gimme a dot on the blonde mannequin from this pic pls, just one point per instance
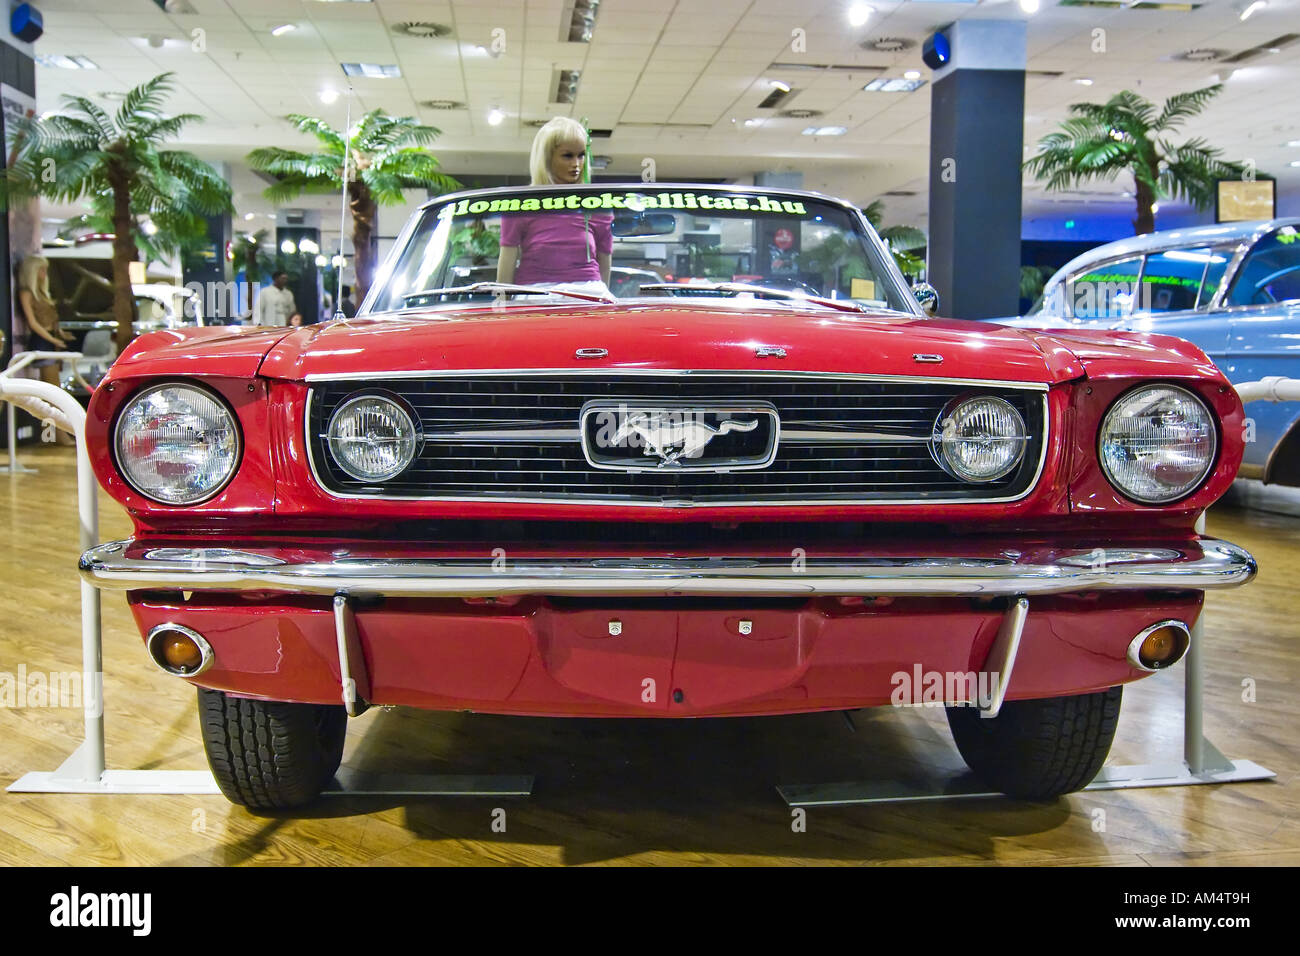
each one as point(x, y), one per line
point(43, 333)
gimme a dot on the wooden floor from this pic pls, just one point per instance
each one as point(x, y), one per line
point(649, 792)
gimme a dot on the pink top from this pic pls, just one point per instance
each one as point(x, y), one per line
point(551, 246)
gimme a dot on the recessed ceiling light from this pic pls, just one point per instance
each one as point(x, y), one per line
point(825, 131)
point(783, 87)
point(60, 62)
point(283, 28)
point(888, 44)
point(374, 71)
point(1294, 162)
point(249, 215)
point(885, 84)
point(328, 96)
point(753, 122)
point(859, 14)
point(495, 117)
point(1293, 142)
point(1029, 6)
point(912, 75)
point(1084, 80)
point(449, 105)
point(1253, 7)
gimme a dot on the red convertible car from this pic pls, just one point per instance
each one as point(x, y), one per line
point(767, 484)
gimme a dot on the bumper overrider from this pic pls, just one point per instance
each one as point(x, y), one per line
point(619, 634)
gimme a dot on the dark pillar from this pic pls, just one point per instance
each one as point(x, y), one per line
point(205, 267)
point(20, 229)
point(977, 116)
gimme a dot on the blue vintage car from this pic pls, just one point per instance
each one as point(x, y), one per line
point(1233, 289)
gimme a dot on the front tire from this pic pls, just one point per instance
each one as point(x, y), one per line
point(270, 755)
point(1039, 749)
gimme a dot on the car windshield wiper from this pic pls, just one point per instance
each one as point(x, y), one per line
point(507, 287)
point(844, 305)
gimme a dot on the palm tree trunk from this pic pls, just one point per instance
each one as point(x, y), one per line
point(1146, 219)
point(124, 254)
point(363, 229)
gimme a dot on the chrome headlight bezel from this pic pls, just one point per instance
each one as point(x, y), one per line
point(1188, 488)
point(941, 442)
point(119, 456)
point(401, 406)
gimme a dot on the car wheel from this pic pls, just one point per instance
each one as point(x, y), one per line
point(270, 755)
point(1038, 749)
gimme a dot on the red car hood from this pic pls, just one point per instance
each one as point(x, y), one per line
point(644, 336)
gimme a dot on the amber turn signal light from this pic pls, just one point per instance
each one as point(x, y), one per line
point(179, 650)
point(1159, 646)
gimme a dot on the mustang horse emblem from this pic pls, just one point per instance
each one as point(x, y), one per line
point(674, 435)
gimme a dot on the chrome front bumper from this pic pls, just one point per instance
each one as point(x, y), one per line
point(1192, 565)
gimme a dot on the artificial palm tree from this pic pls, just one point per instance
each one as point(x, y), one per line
point(1130, 134)
point(116, 163)
point(158, 238)
point(384, 155)
point(903, 241)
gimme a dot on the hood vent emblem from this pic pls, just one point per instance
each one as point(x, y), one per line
point(591, 353)
point(770, 351)
point(929, 359)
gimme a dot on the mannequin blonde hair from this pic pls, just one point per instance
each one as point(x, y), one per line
point(29, 277)
point(559, 130)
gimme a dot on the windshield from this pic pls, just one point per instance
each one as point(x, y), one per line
point(623, 238)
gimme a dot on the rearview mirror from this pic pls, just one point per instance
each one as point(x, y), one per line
point(645, 224)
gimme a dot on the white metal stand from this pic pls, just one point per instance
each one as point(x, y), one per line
point(1202, 762)
point(84, 770)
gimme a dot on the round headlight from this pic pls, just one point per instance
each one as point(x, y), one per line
point(979, 439)
point(372, 438)
point(1157, 443)
point(177, 444)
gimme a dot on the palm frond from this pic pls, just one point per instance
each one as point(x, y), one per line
point(144, 101)
point(1182, 106)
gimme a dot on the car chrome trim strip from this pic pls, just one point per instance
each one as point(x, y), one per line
point(373, 375)
point(1194, 565)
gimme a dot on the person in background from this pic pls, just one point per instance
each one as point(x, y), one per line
point(43, 333)
point(295, 319)
point(572, 249)
point(275, 303)
point(346, 305)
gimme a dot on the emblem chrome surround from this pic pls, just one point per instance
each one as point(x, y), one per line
point(620, 435)
point(770, 351)
point(927, 358)
point(594, 353)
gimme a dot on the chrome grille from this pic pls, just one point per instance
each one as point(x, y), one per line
point(497, 437)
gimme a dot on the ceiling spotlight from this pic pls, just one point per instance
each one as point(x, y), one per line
point(328, 96)
point(1252, 8)
point(859, 14)
point(283, 28)
point(911, 74)
point(783, 87)
point(753, 122)
point(1084, 81)
point(495, 117)
point(249, 215)
point(1029, 6)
